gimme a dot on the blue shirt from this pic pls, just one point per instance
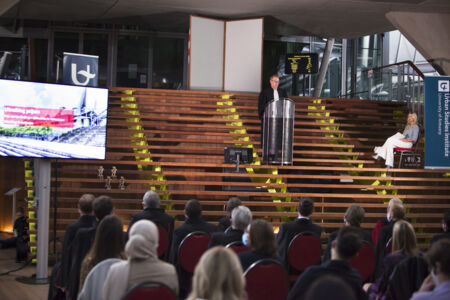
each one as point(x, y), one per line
point(441, 292)
point(411, 133)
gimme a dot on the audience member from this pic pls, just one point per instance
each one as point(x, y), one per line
point(157, 215)
point(81, 244)
point(302, 224)
point(93, 285)
point(385, 221)
point(404, 245)
point(108, 243)
point(241, 216)
point(353, 217)
point(437, 285)
point(405, 140)
point(225, 222)
point(396, 213)
point(445, 228)
point(218, 276)
point(330, 287)
point(194, 222)
point(261, 240)
point(142, 265)
point(20, 238)
point(343, 249)
point(86, 220)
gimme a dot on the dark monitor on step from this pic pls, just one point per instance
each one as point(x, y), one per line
point(238, 155)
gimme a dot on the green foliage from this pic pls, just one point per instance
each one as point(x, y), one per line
point(26, 131)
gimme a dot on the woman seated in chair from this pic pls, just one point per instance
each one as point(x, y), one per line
point(404, 245)
point(142, 264)
point(260, 238)
point(218, 275)
point(404, 140)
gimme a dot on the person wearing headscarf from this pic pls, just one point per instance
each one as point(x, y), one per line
point(142, 264)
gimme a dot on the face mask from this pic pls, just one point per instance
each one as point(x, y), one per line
point(245, 239)
point(435, 277)
point(388, 217)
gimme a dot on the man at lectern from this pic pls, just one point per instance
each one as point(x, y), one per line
point(269, 94)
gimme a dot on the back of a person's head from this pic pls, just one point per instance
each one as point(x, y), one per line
point(20, 210)
point(143, 241)
point(151, 199)
point(193, 209)
point(305, 206)
point(439, 252)
point(394, 201)
point(446, 220)
point(241, 216)
point(232, 203)
point(398, 211)
point(102, 206)
point(262, 238)
point(330, 287)
point(218, 276)
point(404, 238)
point(354, 215)
point(348, 242)
point(85, 203)
point(109, 240)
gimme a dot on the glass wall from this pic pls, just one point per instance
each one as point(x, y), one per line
point(132, 61)
point(168, 59)
point(298, 84)
point(97, 44)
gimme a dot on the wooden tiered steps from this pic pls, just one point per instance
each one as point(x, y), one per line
point(172, 142)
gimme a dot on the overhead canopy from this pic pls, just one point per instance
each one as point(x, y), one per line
point(325, 18)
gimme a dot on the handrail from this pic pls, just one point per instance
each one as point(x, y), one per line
point(408, 62)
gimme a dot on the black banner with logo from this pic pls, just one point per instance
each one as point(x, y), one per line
point(80, 69)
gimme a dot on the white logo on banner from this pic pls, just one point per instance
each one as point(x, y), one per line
point(443, 85)
point(84, 73)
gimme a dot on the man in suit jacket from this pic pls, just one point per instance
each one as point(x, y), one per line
point(353, 217)
point(302, 224)
point(396, 212)
point(445, 228)
point(84, 238)
point(86, 220)
point(241, 216)
point(194, 222)
point(344, 248)
point(270, 94)
point(157, 215)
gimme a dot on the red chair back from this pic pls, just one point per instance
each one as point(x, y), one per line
point(304, 251)
point(237, 247)
point(266, 279)
point(364, 262)
point(163, 243)
point(150, 290)
point(191, 249)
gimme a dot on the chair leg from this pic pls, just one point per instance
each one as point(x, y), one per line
point(400, 161)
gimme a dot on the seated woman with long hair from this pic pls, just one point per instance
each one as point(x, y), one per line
point(404, 245)
point(262, 243)
point(108, 243)
point(218, 276)
point(403, 140)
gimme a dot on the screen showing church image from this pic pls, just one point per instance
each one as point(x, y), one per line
point(44, 120)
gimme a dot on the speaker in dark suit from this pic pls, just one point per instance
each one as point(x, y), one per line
point(270, 94)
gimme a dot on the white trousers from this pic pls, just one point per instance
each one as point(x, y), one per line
point(387, 150)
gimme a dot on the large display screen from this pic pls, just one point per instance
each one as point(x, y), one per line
point(52, 120)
